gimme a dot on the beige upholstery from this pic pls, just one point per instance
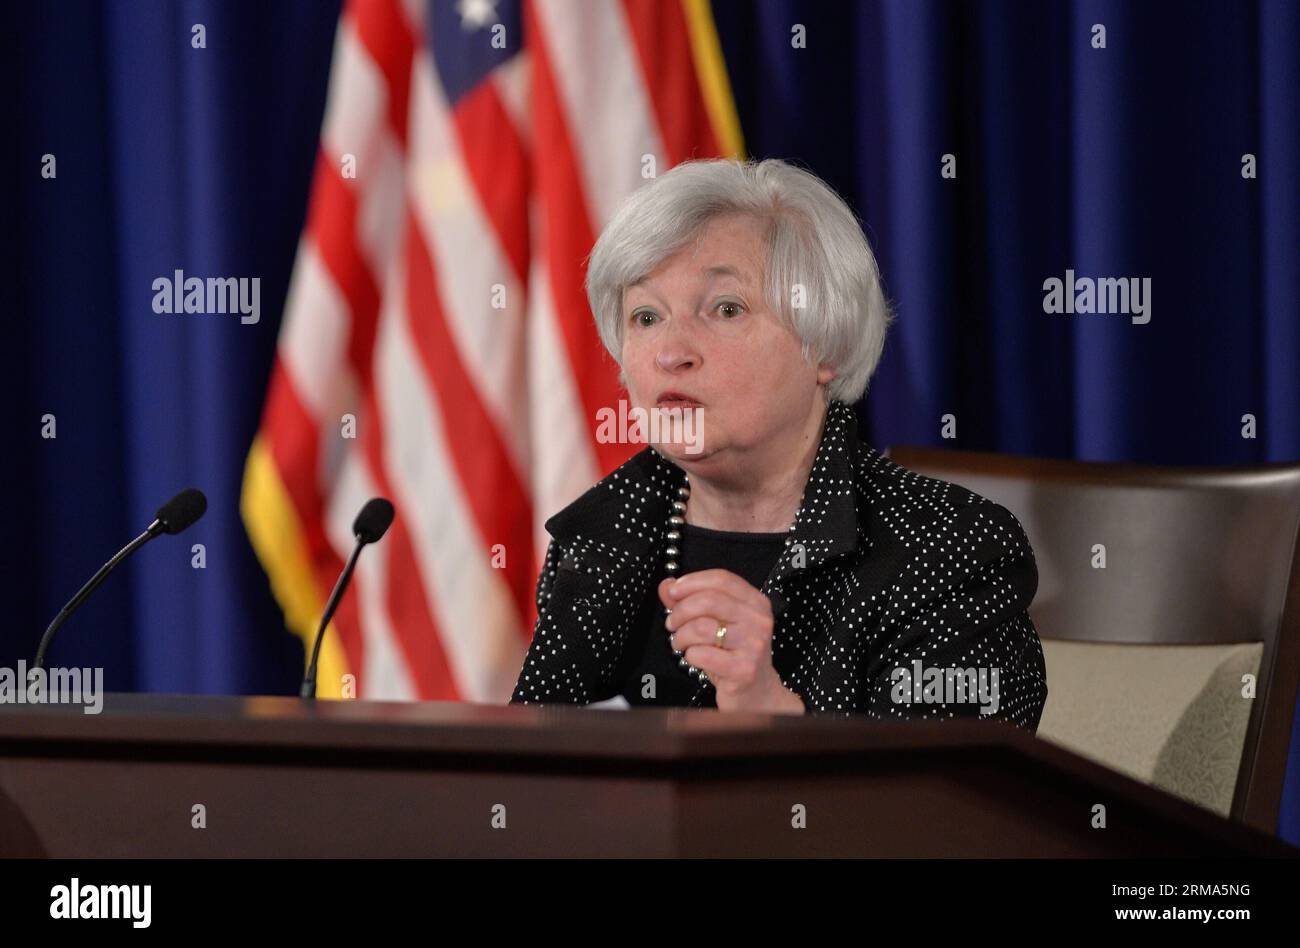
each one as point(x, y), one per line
point(1169, 715)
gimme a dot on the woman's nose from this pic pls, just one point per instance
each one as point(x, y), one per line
point(678, 350)
point(674, 358)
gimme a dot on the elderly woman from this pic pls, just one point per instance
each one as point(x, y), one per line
point(769, 560)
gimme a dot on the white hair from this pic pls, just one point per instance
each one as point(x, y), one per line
point(814, 240)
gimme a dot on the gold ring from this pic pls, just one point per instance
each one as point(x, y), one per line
point(721, 634)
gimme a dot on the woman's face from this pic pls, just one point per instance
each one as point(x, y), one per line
point(700, 327)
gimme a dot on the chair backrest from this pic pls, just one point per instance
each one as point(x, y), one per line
point(1160, 589)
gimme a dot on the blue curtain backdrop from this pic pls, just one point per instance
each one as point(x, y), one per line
point(168, 157)
point(1123, 161)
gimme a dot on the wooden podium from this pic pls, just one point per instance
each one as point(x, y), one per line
point(280, 777)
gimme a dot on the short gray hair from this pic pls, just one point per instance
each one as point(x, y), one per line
point(814, 240)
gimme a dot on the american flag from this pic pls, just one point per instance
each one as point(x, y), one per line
point(437, 347)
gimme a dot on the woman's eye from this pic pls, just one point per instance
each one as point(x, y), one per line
point(643, 317)
point(730, 310)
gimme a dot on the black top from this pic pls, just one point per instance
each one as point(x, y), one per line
point(749, 555)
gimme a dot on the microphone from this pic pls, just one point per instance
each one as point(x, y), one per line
point(174, 516)
point(179, 513)
point(370, 526)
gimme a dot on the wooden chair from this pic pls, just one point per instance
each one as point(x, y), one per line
point(1162, 590)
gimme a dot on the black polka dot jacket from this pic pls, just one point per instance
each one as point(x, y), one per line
point(899, 596)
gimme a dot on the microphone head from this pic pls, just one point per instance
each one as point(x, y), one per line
point(182, 511)
point(373, 521)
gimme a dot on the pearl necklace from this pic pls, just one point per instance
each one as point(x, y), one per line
point(677, 520)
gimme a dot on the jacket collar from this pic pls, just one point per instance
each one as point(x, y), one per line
point(826, 525)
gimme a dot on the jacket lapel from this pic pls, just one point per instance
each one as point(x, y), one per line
point(641, 489)
point(827, 523)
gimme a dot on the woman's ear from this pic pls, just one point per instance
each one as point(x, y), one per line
point(825, 373)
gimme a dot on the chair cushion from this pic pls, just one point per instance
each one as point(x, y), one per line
point(1169, 715)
